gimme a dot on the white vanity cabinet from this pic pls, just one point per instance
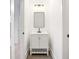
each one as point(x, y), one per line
point(39, 43)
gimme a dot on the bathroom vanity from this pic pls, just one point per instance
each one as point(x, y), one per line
point(39, 43)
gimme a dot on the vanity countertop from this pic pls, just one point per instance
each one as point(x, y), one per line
point(42, 32)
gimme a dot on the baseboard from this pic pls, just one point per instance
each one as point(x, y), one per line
point(26, 54)
point(52, 54)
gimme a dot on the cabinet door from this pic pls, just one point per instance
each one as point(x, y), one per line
point(34, 41)
point(43, 41)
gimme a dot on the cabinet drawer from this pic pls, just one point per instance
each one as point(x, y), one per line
point(44, 35)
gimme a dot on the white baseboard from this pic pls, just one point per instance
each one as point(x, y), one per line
point(52, 54)
point(26, 54)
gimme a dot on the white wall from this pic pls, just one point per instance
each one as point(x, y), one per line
point(53, 24)
point(55, 27)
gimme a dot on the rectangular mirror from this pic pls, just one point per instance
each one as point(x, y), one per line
point(39, 19)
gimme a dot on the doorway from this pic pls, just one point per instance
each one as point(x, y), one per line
point(56, 21)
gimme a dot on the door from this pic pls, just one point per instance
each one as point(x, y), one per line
point(21, 29)
point(34, 41)
point(17, 29)
point(65, 12)
point(43, 41)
